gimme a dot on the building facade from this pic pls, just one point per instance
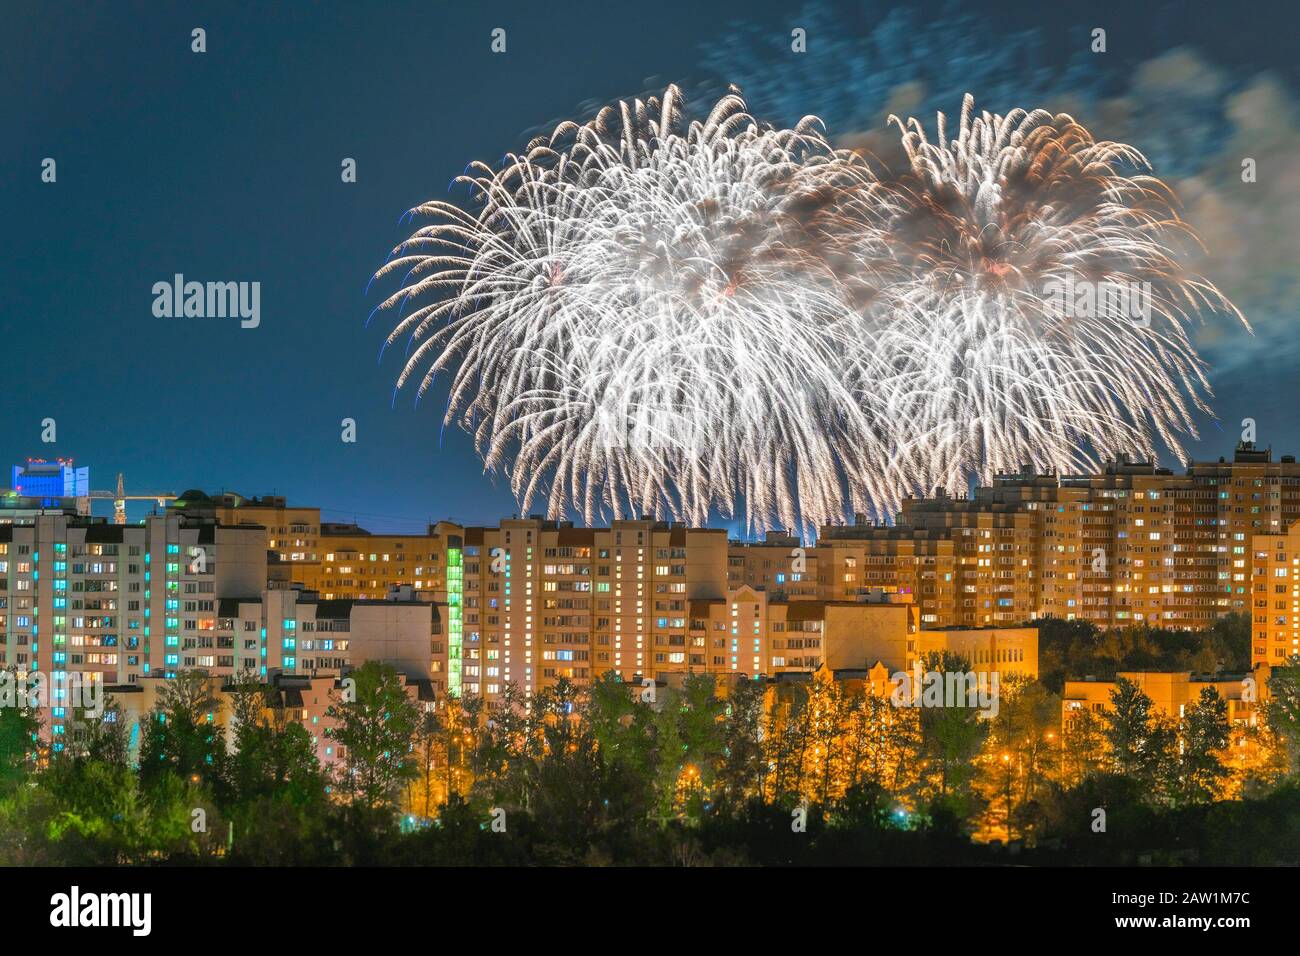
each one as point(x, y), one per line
point(1275, 596)
point(116, 603)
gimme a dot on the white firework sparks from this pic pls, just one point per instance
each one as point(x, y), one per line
point(1037, 313)
point(644, 315)
point(638, 322)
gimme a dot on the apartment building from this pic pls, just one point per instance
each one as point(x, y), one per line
point(964, 563)
point(533, 601)
point(115, 603)
point(293, 632)
point(300, 647)
point(1140, 544)
point(302, 699)
point(292, 534)
point(356, 564)
point(1275, 596)
point(748, 632)
point(849, 562)
point(1133, 544)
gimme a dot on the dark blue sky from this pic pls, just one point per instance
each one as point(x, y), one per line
point(225, 166)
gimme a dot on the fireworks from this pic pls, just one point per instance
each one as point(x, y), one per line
point(1038, 314)
point(643, 314)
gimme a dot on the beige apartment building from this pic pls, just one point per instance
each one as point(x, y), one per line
point(117, 604)
point(531, 601)
point(1139, 544)
point(541, 600)
point(1275, 596)
point(1134, 544)
point(292, 534)
point(356, 564)
point(1172, 692)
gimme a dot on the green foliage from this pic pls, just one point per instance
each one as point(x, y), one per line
point(1075, 649)
point(742, 769)
point(106, 737)
point(19, 736)
point(375, 732)
point(786, 773)
point(182, 737)
point(1283, 714)
point(1141, 742)
point(951, 737)
point(1204, 734)
point(273, 756)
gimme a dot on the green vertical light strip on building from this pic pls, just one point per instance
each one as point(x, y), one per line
point(455, 633)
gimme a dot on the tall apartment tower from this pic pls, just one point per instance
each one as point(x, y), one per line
point(542, 600)
point(1132, 544)
point(1140, 544)
point(115, 603)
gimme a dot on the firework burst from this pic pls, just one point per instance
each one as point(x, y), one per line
point(1037, 312)
point(643, 314)
point(638, 319)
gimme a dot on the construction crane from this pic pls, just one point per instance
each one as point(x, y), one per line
point(120, 498)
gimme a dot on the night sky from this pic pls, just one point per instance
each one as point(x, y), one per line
point(226, 166)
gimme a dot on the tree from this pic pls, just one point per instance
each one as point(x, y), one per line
point(279, 790)
point(621, 729)
point(951, 737)
point(19, 737)
point(181, 734)
point(375, 732)
point(1204, 733)
point(1229, 637)
point(93, 813)
point(1019, 757)
point(568, 789)
point(105, 738)
point(1083, 747)
point(786, 737)
point(825, 777)
point(1062, 646)
point(505, 752)
point(884, 746)
point(1140, 741)
point(1282, 714)
point(689, 741)
point(742, 769)
point(425, 790)
point(273, 755)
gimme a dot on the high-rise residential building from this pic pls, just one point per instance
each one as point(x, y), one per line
point(116, 603)
point(532, 601)
point(356, 564)
point(1133, 544)
point(1275, 596)
point(1140, 544)
point(852, 561)
point(292, 533)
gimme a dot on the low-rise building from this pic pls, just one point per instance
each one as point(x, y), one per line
point(1172, 692)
